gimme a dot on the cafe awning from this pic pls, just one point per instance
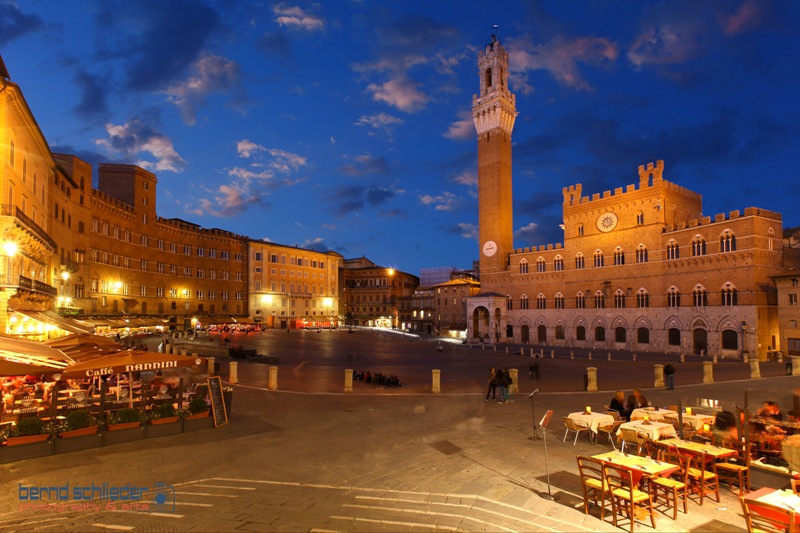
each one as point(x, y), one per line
point(30, 352)
point(49, 317)
point(131, 361)
point(12, 368)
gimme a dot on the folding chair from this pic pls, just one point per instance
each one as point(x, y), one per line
point(576, 426)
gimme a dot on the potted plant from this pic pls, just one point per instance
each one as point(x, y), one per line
point(77, 423)
point(27, 430)
point(163, 413)
point(198, 408)
point(124, 418)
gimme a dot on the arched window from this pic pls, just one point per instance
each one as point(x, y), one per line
point(673, 250)
point(641, 254)
point(698, 246)
point(579, 262)
point(559, 301)
point(580, 230)
point(560, 332)
point(599, 300)
point(580, 301)
point(727, 242)
point(523, 302)
point(639, 218)
point(558, 263)
point(600, 334)
point(509, 303)
point(619, 256)
point(730, 339)
point(620, 335)
point(598, 259)
point(580, 333)
point(643, 336)
point(673, 297)
point(541, 302)
point(541, 265)
point(730, 296)
point(642, 299)
point(523, 266)
point(619, 299)
point(674, 337)
point(699, 297)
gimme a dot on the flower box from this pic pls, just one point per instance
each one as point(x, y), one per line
point(165, 420)
point(123, 425)
point(195, 416)
point(91, 430)
point(26, 439)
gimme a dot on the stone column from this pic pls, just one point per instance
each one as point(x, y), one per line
point(272, 384)
point(348, 380)
point(514, 374)
point(795, 365)
point(234, 372)
point(609, 356)
point(591, 372)
point(437, 384)
point(755, 369)
point(211, 361)
point(708, 372)
point(659, 376)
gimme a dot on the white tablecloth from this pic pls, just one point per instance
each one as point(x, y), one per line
point(639, 414)
point(593, 420)
point(697, 421)
point(653, 430)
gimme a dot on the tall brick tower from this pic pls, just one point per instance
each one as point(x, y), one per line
point(494, 111)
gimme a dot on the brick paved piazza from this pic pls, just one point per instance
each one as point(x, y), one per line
point(309, 458)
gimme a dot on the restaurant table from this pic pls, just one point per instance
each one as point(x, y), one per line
point(696, 421)
point(696, 448)
point(653, 430)
point(593, 420)
point(781, 498)
point(638, 465)
point(652, 413)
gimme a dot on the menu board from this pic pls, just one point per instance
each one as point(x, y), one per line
point(217, 401)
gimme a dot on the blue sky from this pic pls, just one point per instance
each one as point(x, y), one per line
point(345, 125)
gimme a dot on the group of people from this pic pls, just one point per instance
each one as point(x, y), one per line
point(499, 381)
point(377, 378)
point(625, 407)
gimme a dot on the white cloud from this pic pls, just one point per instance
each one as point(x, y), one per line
point(296, 18)
point(401, 92)
point(467, 230)
point(446, 201)
point(468, 178)
point(136, 137)
point(381, 122)
point(461, 130)
point(230, 200)
point(246, 148)
point(210, 74)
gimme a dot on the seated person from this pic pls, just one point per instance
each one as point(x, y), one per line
point(637, 400)
point(619, 405)
point(724, 428)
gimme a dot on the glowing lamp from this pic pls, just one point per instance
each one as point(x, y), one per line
point(646, 418)
point(689, 411)
point(706, 427)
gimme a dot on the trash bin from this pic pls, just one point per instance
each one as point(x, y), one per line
point(788, 368)
point(586, 382)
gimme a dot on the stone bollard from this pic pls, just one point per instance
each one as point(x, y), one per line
point(714, 359)
point(233, 369)
point(272, 383)
point(795, 365)
point(755, 369)
point(348, 380)
point(437, 385)
point(211, 364)
point(683, 358)
point(708, 372)
point(659, 376)
point(572, 355)
point(634, 358)
point(514, 374)
point(590, 356)
point(506, 348)
point(552, 354)
point(591, 373)
point(184, 352)
point(780, 357)
point(609, 356)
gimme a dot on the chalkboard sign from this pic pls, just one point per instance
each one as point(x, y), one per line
point(217, 401)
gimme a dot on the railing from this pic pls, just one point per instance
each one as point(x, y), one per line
point(11, 210)
point(36, 286)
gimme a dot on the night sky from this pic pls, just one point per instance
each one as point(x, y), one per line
point(346, 125)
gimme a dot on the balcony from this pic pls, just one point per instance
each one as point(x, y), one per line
point(27, 223)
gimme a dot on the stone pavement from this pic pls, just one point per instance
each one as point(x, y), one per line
point(375, 460)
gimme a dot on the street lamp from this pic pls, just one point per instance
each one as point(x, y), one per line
point(10, 248)
point(328, 303)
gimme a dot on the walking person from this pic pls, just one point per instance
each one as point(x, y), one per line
point(669, 376)
point(492, 385)
point(535, 368)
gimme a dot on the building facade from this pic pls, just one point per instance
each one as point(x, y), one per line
point(450, 306)
point(371, 293)
point(292, 287)
point(789, 312)
point(640, 268)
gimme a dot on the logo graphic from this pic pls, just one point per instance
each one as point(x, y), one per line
point(162, 498)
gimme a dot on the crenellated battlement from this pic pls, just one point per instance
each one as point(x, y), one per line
point(650, 176)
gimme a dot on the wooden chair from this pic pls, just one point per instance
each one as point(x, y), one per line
point(576, 426)
point(703, 476)
point(594, 487)
point(672, 487)
point(629, 437)
point(625, 498)
point(673, 408)
point(736, 469)
point(768, 518)
point(796, 486)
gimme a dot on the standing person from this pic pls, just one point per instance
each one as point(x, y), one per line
point(669, 375)
point(503, 381)
point(535, 367)
point(492, 385)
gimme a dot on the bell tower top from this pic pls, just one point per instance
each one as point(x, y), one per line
point(494, 92)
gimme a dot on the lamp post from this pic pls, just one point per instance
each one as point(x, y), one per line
point(11, 250)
